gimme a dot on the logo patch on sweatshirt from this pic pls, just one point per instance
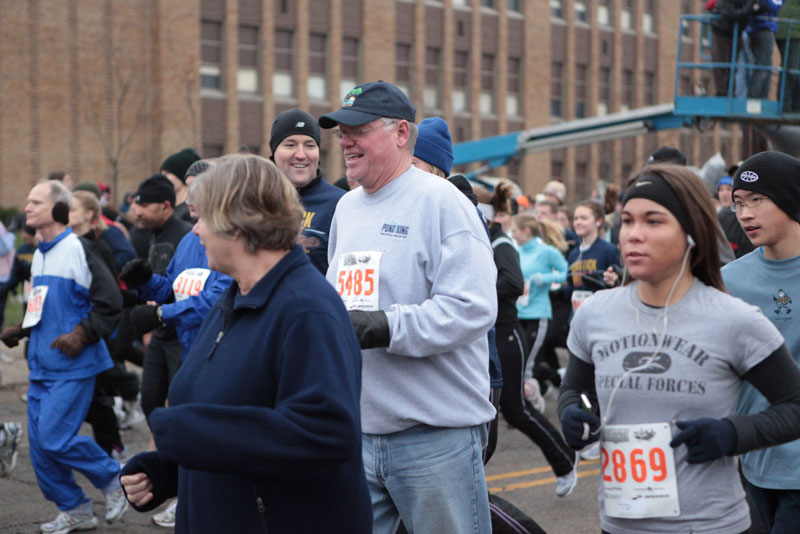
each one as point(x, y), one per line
point(394, 230)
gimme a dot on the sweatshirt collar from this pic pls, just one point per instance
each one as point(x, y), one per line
point(264, 288)
point(46, 246)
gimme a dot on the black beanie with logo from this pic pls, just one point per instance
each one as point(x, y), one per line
point(775, 175)
point(293, 122)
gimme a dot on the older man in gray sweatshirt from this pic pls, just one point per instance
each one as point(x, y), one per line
point(414, 267)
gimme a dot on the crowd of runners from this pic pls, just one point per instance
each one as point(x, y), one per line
point(314, 358)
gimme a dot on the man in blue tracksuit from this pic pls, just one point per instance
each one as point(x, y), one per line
point(74, 303)
point(194, 286)
point(294, 142)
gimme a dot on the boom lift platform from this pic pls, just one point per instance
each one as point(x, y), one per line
point(684, 111)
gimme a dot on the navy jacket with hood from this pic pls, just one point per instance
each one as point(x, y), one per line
point(263, 418)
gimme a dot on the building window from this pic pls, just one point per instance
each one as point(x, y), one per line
point(648, 16)
point(649, 88)
point(488, 3)
point(514, 91)
point(402, 67)
point(247, 76)
point(317, 78)
point(626, 15)
point(461, 3)
point(211, 55)
point(581, 13)
point(433, 66)
point(514, 5)
point(283, 76)
point(627, 89)
point(460, 98)
point(604, 13)
point(556, 89)
point(486, 101)
point(603, 90)
point(556, 168)
point(556, 9)
point(686, 7)
point(581, 73)
point(351, 47)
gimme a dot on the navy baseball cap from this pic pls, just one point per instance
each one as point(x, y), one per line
point(369, 101)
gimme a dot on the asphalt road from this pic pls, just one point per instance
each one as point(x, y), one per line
point(518, 473)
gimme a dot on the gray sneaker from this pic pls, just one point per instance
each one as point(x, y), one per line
point(167, 517)
point(66, 522)
point(567, 483)
point(116, 504)
point(8, 447)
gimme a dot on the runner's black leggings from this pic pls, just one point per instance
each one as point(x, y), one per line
point(518, 411)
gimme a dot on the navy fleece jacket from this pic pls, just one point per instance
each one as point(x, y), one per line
point(263, 420)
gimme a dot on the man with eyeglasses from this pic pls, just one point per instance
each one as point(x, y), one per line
point(766, 200)
point(294, 142)
point(414, 267)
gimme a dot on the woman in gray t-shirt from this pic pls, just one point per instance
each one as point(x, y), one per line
point(656, 367)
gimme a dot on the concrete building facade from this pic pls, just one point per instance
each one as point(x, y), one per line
point(105, 89)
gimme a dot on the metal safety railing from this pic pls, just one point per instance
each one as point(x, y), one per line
point(735, 101)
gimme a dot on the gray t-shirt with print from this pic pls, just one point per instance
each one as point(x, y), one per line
point(711, 340)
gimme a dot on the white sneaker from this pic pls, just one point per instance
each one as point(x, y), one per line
point(8, 448)
point(567, 483)
point(167, 517)
point(534, 394)
point(66, 522)
point(133, 414)
point(592, 452)
point(116, 504)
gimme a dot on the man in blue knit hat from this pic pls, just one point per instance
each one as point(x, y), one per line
point(433, 152)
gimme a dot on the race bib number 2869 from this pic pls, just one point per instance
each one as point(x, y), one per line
point(639, 471)
point(357, 280)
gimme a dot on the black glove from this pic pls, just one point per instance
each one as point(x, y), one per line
point(706, 439)
point(572, 426)
point(11, 335)
point(162, 474)
point(372, 328)
point(72, 343)
point(144, 318)
point(136, 273)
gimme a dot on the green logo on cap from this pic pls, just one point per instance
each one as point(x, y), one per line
point(351, 96)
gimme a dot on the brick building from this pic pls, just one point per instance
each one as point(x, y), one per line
point(104, 88)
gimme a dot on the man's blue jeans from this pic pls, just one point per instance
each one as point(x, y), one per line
point(430, 477)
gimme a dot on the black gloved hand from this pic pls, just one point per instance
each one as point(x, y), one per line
point(144, 318)
point(11, 335)
point(372, 328)
point(136, 272)
point(72, 343)
point(706, 439)
point(162, 474)
point(572, 426)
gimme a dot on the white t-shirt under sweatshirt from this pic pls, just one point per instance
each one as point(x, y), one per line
point(418, 244)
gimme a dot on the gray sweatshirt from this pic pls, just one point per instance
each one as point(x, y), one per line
point(436, 283)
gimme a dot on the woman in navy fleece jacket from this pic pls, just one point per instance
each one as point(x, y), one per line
point(262, 433)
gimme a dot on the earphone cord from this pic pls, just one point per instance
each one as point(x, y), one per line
point(662, 336)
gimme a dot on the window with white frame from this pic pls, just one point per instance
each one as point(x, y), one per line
point(283, 75)
point(247, 74)
point(211, 55)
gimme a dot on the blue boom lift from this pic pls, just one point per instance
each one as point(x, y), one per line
point(684, 111)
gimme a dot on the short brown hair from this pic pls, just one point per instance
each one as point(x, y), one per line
point(247, 195)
